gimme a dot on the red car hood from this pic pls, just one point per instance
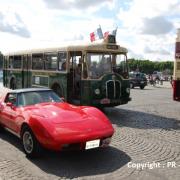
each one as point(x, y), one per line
point(68, 123)
point(60, 113)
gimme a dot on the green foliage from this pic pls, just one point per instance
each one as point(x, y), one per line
point(148, 67)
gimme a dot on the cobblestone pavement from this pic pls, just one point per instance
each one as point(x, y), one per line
point(147, 132)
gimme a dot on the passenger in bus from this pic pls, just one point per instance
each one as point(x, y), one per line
point(78, 76)
point(93, 70)
point(63, 67)
point(106, 64)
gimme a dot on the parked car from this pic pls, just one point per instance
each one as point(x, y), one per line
point(41, 119)
point(137, 79)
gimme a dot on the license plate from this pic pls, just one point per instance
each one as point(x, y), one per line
point(142, 82)
point(92, 144)
point(105, 101)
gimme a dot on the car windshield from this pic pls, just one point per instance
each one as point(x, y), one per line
point(137, 75)
point(35, 97)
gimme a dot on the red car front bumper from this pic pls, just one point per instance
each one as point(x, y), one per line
point(77, 141)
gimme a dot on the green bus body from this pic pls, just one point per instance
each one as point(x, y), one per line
point(109, 89)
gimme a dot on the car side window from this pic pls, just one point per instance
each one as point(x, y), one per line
point(20, 101)
point(12, 98)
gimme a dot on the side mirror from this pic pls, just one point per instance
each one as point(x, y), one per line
point(8, 104)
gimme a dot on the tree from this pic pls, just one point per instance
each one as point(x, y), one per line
point(148, 67)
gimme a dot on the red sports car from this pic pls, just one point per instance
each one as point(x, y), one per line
point(41, 119)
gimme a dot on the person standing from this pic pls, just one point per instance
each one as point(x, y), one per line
point(171, 80)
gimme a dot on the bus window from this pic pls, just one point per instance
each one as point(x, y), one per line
point(51, 61)
point(5, 62)
point(26, 62)
point(62, 60)
point(17, 62)
point(10, 60)
point(98, 64)
point(37, 61)
point(120, 66)
point(76, 65)
point(121, 62)
point(85, 73)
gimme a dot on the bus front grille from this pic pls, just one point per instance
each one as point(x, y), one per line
point(113, 89)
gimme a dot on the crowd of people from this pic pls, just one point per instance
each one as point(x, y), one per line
point(153, 80)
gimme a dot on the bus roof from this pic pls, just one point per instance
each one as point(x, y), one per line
point(95, 46)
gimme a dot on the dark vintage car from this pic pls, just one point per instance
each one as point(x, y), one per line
point(137, 79)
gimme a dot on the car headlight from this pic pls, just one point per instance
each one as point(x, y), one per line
point(128, 90)
point(97, 91)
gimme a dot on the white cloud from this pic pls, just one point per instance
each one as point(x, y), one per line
point(156, 25)
point(156, 51)
point(151, 24)
point(11, 22)
point(75, 4)
point(53, 22)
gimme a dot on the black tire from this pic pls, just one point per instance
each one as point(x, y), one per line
point(1, 128)
point(142, 87)
point(131, 85)
point(31, 146)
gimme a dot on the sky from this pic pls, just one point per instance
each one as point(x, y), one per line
point(146, 28)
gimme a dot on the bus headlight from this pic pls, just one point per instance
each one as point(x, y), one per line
point(97, 91)
point(128, 90)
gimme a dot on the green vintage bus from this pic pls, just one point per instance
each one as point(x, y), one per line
point(94, 74)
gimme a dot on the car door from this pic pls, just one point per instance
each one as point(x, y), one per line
point(9, 111)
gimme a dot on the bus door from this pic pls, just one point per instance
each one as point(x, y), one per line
point(75, 69)
point(5, 74)
point(26, 79)
point(176, 82)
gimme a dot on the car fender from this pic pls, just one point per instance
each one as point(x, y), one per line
point(94, 112)
point(40, 130)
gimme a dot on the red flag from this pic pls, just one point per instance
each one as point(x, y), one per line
point(92, 37)
point(106, 34)
point(113, 32)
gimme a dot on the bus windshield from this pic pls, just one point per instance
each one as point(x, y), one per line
point(120, 65)
point(103, 63)
point(98, 64)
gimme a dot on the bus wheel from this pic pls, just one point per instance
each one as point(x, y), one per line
point(1, 128)
point(12, 84)
point(57, 89)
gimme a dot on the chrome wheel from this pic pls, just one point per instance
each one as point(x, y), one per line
point(28, 142)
